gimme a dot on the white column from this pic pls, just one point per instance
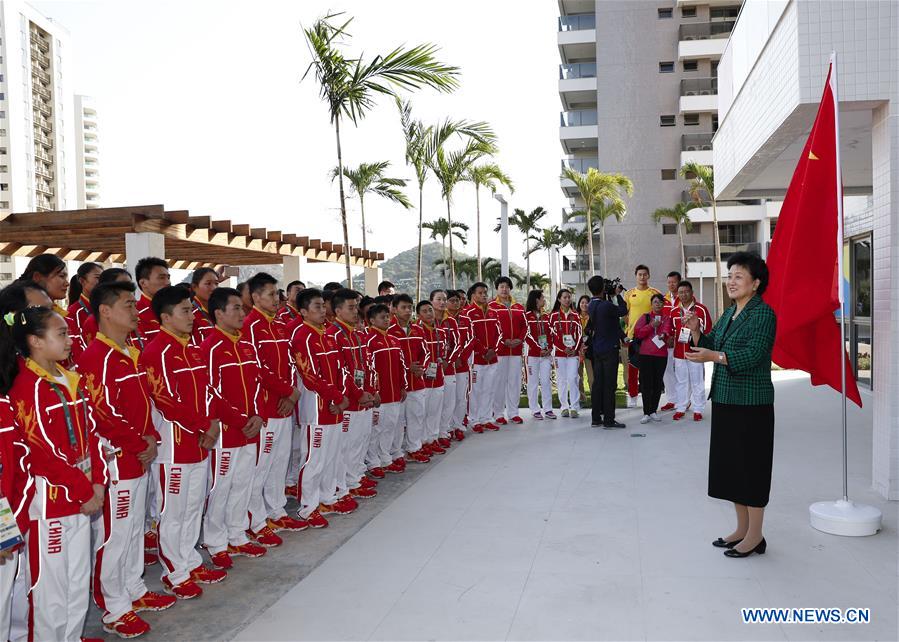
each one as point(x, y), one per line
point(294, 266)
point(885, 161)
point(504, 233)
point(140, 245)
point(373, 276)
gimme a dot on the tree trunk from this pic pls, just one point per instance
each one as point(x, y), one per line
point(602, 248)
point(590, 237)
point(346, 232)
point(362, 214)
point(477, 202)
point(527, 274)
point(683, 254)
point(445, 265)
point(420, 223)
point(719, 295)
point(449, 220)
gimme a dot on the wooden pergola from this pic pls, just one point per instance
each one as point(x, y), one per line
point(190, 241)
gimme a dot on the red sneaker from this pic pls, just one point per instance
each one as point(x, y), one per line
point(187, 590)
point(287, 524)
point(221, 560)
point(501, 421)
point(678, 416)
point(151, 541)
point(203, 575)
point(478, 428)
point(667, 407)
point(697, 416)
point(517, 420)
point(395, 468)
point(316, 520)
point(127, 626)
point(428, 449)
point(150, 558)
point(401, 462)
point(266, 537)
point(364, 493)
point(368, 482)
point(345, 505)
point(444, 443)
point(491, 426)
point(246, 550)
point(459, 435)
point(377, 472)
point(292, 491)
point(151, 601)
point(437, 450)
point(418, 457)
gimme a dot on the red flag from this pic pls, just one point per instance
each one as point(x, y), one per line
point(805, 260)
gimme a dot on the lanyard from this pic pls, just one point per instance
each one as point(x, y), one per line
point(199, 309)
point(84, 306)
point(353, 345)
point(70, 425)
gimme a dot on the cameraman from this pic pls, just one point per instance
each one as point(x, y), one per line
point(606, 307)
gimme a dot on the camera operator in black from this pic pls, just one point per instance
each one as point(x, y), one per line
point(606, 307)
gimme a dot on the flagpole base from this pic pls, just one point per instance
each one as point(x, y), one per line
point(845, 518)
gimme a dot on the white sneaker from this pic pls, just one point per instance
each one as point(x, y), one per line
point(645, 419)
point(631, 402)
point(655, 417)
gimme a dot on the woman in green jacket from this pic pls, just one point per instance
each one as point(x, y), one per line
point(741, 446)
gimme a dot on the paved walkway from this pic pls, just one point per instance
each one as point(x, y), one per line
point(558, 531)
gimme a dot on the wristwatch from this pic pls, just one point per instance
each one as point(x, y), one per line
point(720, 357)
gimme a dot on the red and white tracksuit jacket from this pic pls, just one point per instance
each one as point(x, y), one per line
point(74, 332)
point(388, 365)
point(465, 345)
point(566, 324)
point(277, 376)
point(485, 331)
point(203, 323)
point(677, 318)
point(538, 327)
point(435, 349)
point(320, 363)
point(287, 315)
point(513, 325)
point(412, 341)
point(79, 312)
point(147, 323)
point(234, 376)
point(352, 345)
point(16, 483)
point(448, 328)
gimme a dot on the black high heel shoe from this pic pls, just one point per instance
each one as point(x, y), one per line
point(760, 549)
point(723, 543)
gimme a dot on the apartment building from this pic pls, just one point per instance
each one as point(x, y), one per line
point(638, 82)
point(87, 153)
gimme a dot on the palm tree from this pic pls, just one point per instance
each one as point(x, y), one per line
point(527, 224)
point(488, 175)
point(680, 216)
point(549, 239)
point(535, 281)
point(595, 186)
point(577, 240)
point(421, 147)
point(369, 178)
point(350, 85)
point(702, 183)
point(441, 228)
point(450, 169)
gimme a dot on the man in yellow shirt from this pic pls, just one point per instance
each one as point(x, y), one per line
point(639, 302)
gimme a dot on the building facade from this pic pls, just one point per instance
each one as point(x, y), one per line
point(772, 75)
point(87, 153)
point(638, 83)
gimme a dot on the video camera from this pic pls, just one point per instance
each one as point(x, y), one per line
point(610, 286)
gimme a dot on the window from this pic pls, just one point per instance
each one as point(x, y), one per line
point(691, 65)
point(696, 229)
point(691, 119)
point(688, 12)
point(714, 122)
point(666, 13)
point(669, 228)
point(2, 151)
point(669, 174)
point(724, 13)
point(736, 233)
point(3, 113)
point(666, 67)
point(4, 205)
point(4, 168)
point(4, 187)
point(667, 120)
point(2, 96)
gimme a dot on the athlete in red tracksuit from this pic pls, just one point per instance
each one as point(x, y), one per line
point(433, 380)
point(324, 373)
point(461, 364)
point(540, 364)
point(78, 313)
point(17, 487)
point(514, 329)
point(117, 386)
point(147, 323)
point(56, 419)
point(203, 322)
point(486, 339)
point(567, 335)
point(388, 366)
point(448, 328)
point(415, 354)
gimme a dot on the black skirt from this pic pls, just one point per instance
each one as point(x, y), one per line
point(741, 450)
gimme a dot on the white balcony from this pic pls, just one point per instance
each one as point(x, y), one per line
point(703, 157)
point(699, 49)
point(577, 37)
point(731, 212)
point(703, 39)
point(698, 104)
point(580, 138)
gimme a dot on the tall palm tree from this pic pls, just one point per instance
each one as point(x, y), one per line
point(702, 184)
point(549, 239)
point(441, 228)
point(369, 178)
point(450, 168)
point(350, 85)
point(680, 216)
point(527, 224)
point(488, 175)
point(595, 186)
point(421, 147)
point(577, 240)
point(535, 281)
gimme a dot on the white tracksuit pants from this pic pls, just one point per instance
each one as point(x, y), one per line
point(539, 373)
point(225, 522)
point(690, 385)
point(483, 385)
point(182, 491)
point(448, 406)
point(59, 555)
point(119, 538)
point(399, 434)
point(507, 394)
point(384, 422)
point(296, 454)
point(415, 407)
point(152, 502)
point(273, 486)
point(7, 580)
point(318, 476)
point(670, 379)
point(340, 468)
point(359, 438)
point(461, 409)
point(305, 415)
point(566, 381)
point(433, 414)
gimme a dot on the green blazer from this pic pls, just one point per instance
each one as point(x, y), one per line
point(747, 342)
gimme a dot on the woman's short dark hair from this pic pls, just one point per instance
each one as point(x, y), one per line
point(657, 296)
point(110, 275)
point(533, 297)
point(755, 265)
point(199, 273)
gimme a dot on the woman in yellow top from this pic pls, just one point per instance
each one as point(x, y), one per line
point(586, 356)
